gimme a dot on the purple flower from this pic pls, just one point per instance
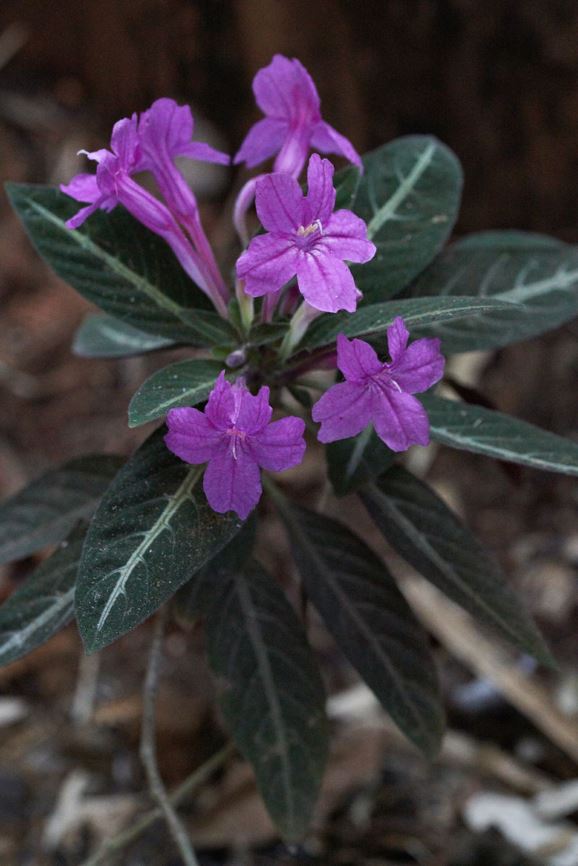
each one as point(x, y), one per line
point(380, 393)
point(236, 437)
point(305, 238)
point(165, 131)
point(113, 184)
point(286, 94)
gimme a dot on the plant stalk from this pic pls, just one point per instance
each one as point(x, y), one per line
point(148, 750)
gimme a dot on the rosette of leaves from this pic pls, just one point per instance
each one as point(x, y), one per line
point(126, 536)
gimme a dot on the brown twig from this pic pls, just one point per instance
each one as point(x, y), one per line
point(198, 777)
point(148, 750)
point(456, 631)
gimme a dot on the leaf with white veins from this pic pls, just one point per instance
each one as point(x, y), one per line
point(272, 697)
point(423, 530)
point(152, 531)
point(43, 604)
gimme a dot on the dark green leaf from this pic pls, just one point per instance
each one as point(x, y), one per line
point(102, 336)
point(193, 598)
point(185, 383)
point(473, 428)
point(43, 604)
point(508, 239)
point(417, 523)
point(409, 196)
point(120, 266)
point(272, 698)
point(265, 333)
point(346, 184)
point(45, 511)
point(152, 531)
point(372, 321)
point(371, 622)
point(354, 462)
point(537, 272)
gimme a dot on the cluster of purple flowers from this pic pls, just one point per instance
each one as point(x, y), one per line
point(305, 238)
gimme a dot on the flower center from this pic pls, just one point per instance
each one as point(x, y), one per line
point(236, 437)
point(385, 383)
point(307, 235)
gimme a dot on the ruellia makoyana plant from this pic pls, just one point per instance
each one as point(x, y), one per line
point(341, 307)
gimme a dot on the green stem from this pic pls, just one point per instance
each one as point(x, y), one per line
point(297, 328)
point(246, 307)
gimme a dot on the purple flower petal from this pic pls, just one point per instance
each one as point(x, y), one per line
point(326, 139)
point(221, 403)
point(191, 435)
point(326, 283)
point(345, 236)
point(397, 337)
point(83, 214)
point(263, 140)
point(166, 127)
point(82, 187)
point(320, 196)
point(279, 202)
point(344, 411)
point(235, 436)
point(280, 445)
point(125, 143)
point(284, 89)
point(203, 152)
point(357, 359)
point(419, 367)
point(251, 414)
point(293, 155)
point(232, 482)
point(267, 264)
point(95, 155)
point(399, 419)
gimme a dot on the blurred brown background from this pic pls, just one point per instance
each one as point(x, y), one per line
point(498, 82)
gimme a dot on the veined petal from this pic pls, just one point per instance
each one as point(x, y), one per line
point(326, 139)
point(232, 482)
point(267, 264)
point(221, 403)
point(320, 196)
point(399, 419)
point(263, 140)
point(82, 215)
point(326, 283)
point(344, 411)
point(191, 435)
point(82, 187)
point(397, 337)
point(284, 89)
point(95, 155)
point(419, 367)
point(204, 152)
point(251, 413)
point(166, 126)
point(356, 359)
point(345, 236)
point(280, 445)
point(293, 155)
point(279, 203)
point(125, 143)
